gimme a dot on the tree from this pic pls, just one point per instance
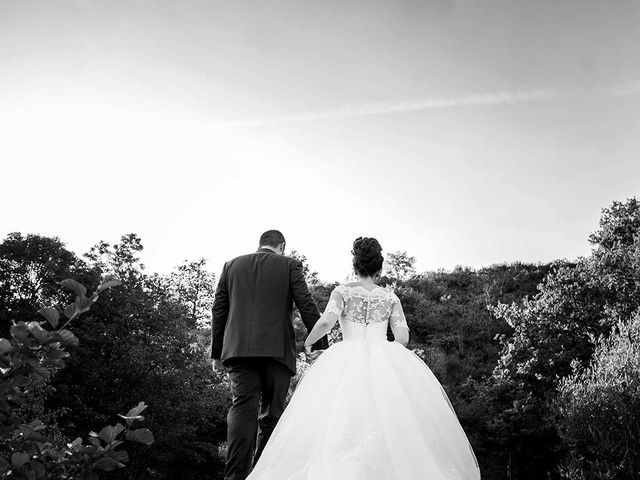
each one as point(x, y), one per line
point(34, 352)
point(121, 260)
point(195, 287)
point(310, 276)
point(137, 343)
point(599, 409)
point(31, 269)
point(552, 332)
point(399, 265)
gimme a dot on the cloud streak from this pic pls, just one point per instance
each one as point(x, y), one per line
point(476, 99)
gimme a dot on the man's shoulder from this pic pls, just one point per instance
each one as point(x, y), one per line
point(238, 262)
point(271, 257)
point(240, 259)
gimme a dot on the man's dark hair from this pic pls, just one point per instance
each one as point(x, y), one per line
point(271, 238)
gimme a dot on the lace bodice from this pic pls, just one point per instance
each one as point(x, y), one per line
point(370, 311)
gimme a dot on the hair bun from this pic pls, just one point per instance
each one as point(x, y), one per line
point(367, 256)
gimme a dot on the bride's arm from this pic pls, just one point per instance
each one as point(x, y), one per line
point(328, 319)
point(398, 323)
point(322, 327)
point(401, 335)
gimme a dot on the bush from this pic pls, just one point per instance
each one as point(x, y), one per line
point(599, 409)
point(33, 353)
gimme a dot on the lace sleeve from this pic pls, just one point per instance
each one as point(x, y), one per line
point(335, 306)
point(397, 318)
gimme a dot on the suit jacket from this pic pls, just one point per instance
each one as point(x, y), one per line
point(253, 308)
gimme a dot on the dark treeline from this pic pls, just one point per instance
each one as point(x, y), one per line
point(540, 361)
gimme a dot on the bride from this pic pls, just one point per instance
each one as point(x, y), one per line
point(367, 409)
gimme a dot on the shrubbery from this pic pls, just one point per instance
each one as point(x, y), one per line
point(599, 409)
point(34, 352)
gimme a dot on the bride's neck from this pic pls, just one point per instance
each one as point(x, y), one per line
point(365, 279)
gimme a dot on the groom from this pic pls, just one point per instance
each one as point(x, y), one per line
point(252, 338)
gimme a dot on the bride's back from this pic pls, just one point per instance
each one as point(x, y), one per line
point(365, 311)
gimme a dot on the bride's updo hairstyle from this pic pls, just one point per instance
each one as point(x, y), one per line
point(367, 256)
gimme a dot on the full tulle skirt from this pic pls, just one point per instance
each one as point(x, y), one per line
point(368, 410)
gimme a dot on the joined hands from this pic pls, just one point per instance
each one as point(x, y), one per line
point(310, 353)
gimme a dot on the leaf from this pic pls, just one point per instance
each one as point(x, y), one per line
point(54, 453)
point(19, 331)
point(42, 372)
point(119, 428)
point(141, 435)
point(120, 455)
point(51, 314)
point(71, 310)
point(37, 425)
point(82, 304)
point(76, 445)
point(58, 363)
point(68, 338)
point(109, 433)
point(109, 284)
point(106, 434)
point(115, 443)
point(57, 354)
point(134, 413)
point(18, 459)
point(5, 345)
point(35, 437)
point(41, 335)
point(107, 464)
point(77, 287)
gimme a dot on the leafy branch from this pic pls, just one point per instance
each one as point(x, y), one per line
point(32, 353)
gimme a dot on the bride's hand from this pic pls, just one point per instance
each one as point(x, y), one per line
point(310, 353)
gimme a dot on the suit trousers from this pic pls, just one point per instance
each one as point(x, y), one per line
point(259, 387)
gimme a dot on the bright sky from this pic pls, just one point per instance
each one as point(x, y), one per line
point(464, 132)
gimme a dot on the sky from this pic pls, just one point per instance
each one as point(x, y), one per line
point(463, 132)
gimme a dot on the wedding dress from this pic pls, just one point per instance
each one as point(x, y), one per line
point(367, 408)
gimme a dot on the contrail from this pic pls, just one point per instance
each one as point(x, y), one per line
point(381, 108)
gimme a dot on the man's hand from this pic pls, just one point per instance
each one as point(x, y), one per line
point(218, 366)
point(311, 354)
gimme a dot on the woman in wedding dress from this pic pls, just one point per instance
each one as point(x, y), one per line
point(367, 408)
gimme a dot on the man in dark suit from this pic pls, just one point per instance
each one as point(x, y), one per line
point(253, 339)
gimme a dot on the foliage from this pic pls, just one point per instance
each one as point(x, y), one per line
point(140, 342)
point(31, 269)
point(599, 409)
point(195, 287)
point(399, 265)
point(137, 342)
point(120, 260)
point(310, 276)
point(449, 314)
point(552, 332)
point(35, 352)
